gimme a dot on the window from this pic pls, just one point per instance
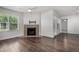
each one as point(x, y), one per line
point(8, 23)
point(13, 23)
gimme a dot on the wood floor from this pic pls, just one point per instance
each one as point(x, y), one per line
point(60, 43)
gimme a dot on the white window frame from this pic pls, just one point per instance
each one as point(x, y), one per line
point(8, 25)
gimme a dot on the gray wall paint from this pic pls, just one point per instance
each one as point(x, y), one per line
point(31, 17)
point(64, 25)
point(56, 25)
point(11, 34)
point(49, 21)
point(72, 24)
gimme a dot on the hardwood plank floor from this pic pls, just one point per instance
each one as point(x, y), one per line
point(60, 43)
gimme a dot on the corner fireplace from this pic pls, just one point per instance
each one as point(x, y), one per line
point(31, 31)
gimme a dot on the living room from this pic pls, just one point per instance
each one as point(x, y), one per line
point(39, 28)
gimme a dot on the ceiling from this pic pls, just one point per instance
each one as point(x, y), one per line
point(62, 10)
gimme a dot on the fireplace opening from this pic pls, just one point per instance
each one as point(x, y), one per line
point(31, 31)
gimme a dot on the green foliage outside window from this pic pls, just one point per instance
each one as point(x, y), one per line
point(8, 23)
point(13, 23)
point(3, 19)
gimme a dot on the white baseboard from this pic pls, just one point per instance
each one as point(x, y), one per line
point(4, 38)
point(47, 36)
point(70, 32)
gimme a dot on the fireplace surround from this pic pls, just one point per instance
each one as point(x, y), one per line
point(31, 30)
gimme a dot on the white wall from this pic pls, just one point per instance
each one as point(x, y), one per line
point(56, 25)
point(11, 34)
point(64, 26)
point(31, 17)
point(73, 24)
point(47, 23)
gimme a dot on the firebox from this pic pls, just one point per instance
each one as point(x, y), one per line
point(31, 31)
